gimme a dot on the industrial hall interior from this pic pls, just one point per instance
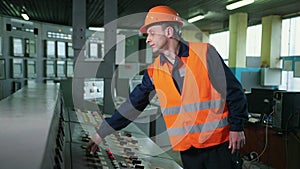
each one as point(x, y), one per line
point(160, 84)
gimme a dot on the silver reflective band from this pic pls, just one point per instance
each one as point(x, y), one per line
point(209, 126)
point(171, 110)
point(193, 107)
point(182, 72)
point(151, 80)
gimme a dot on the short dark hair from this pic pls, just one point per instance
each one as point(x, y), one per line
point(174, 25)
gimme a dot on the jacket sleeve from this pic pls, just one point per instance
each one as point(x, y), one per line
point(232, 90)
point(128, 111)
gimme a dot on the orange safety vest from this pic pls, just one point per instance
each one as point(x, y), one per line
point(197, 117)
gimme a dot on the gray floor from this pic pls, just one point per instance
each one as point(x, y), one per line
point(255, 165)
point(246, 164)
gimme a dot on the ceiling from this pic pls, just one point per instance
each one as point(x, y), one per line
point(216, 15)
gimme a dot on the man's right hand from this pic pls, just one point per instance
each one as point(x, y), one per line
point(93, 145)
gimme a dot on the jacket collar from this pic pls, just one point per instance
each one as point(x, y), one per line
point(183, 51)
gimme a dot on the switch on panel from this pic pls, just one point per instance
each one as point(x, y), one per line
point(93, 89)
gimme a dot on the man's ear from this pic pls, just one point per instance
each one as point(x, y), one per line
point(169, 32)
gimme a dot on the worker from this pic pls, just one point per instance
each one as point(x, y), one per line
point(203, 104)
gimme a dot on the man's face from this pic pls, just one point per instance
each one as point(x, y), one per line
point(157, 38)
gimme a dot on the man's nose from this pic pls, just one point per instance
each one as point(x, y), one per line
point(148, 39)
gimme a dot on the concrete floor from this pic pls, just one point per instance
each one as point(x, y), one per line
point(255, 165)
point(246, 164)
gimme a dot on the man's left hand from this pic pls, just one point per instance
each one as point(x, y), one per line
point(236, 140)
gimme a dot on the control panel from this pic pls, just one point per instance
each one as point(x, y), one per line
point(128, 148)
point(93, 88)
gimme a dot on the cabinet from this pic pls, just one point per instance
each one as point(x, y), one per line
point(33, 52)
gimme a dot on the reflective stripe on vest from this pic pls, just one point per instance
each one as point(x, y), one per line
point(198, 128)
point(192, 107)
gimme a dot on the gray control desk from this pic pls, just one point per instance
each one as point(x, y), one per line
point(126, 144)
point(26, 118)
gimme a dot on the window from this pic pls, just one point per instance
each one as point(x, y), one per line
point(221, 42)
point(290, 37)
point(253, 44)
point(290, 42)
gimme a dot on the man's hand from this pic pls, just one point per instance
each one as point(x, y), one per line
point(93, 145)
point(236, 140)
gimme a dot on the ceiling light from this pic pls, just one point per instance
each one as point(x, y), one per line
point(196, 18)
point(25, 16)
point(238, 4)
point(96, 29)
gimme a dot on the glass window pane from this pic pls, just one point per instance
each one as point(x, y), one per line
point(285, 37)
point(290, 37)
point(295, 36)
point(221, 42)
point(253, 44)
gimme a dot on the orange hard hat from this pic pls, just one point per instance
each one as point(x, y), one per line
point(160, 14)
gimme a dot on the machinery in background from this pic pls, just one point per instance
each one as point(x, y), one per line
point(260, 105)
point(286, 110)
point(278, 108)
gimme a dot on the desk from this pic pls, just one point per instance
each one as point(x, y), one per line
point(29, 124)
point(282, 151)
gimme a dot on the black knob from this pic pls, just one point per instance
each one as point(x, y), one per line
point(139, 166)
point(136, 162)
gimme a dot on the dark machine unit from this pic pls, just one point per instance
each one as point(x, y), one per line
point(277, 142)
point(260, 101)
point(286, 110)
point(281, 108)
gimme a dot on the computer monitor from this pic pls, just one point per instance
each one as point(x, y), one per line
point(31, 69)
point(260, 100)
point(17, 71)
point(18, 47)
point(61, 49)
point(61, 65)
point(50, 48)
point(286, 110)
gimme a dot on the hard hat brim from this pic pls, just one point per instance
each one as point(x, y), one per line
point(143, 29)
